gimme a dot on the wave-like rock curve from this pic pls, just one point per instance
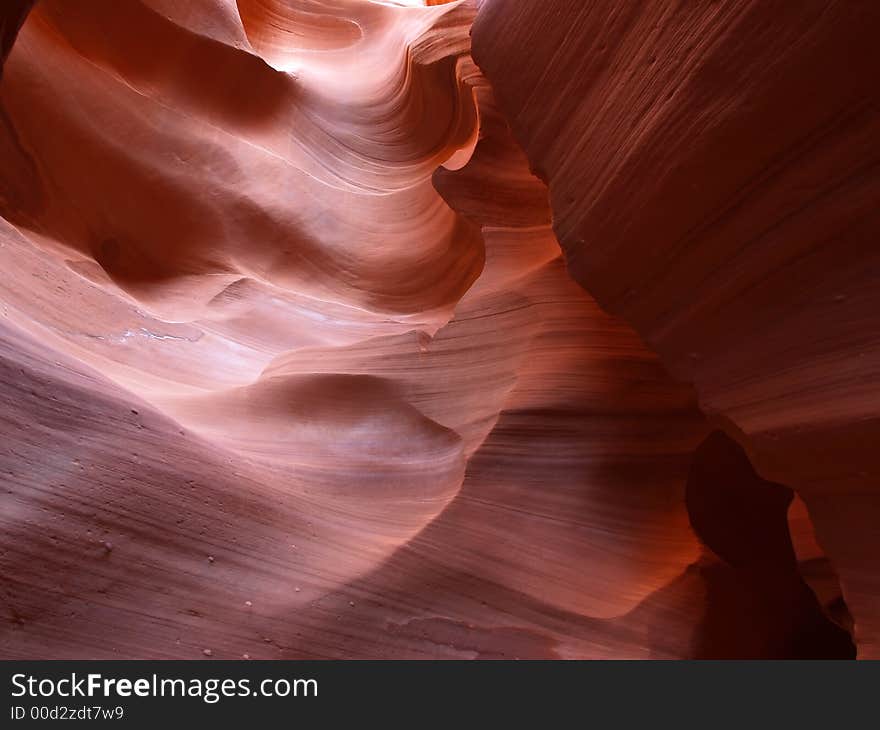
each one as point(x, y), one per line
point(293, 366)
point(713, 170)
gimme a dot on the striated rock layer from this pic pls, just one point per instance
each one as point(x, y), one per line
point(292, 365)
point(713, 171)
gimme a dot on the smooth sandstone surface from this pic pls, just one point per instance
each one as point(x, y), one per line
point(293, 366)
point(713, 174)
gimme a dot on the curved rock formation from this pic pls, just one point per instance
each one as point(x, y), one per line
point(713, 171)
point(293, 367)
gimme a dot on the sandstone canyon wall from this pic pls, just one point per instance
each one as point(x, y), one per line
point(293, 366)
point(713, 171)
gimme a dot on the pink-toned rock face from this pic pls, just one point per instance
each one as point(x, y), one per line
point(291, 365)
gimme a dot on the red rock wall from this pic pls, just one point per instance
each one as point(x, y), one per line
point(713, 172)
point(292, 366)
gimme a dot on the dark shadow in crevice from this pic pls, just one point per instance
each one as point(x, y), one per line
point(758, 605)
point(12, 16)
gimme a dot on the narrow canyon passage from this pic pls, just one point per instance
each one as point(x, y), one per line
point(293, 365)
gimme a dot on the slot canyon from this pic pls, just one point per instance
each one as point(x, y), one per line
point(412, 329)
